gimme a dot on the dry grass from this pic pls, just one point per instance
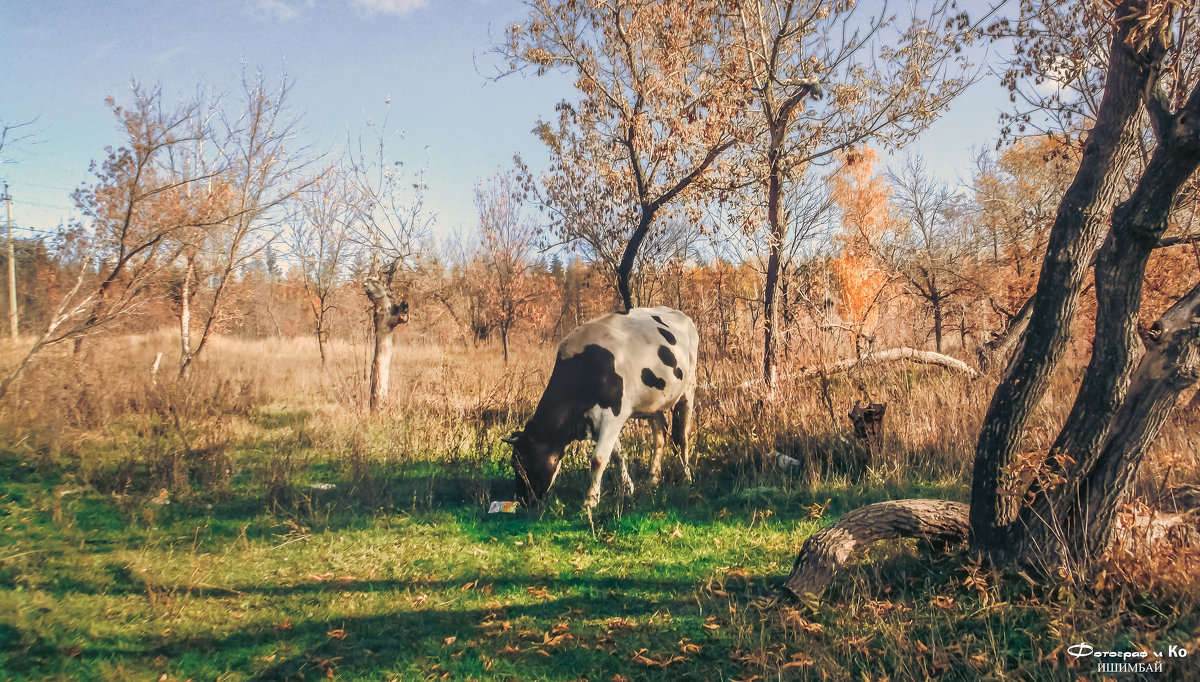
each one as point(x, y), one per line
point(258, 422)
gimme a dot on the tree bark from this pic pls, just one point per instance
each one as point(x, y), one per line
point(778, 225)
point(1170, 366)
point(1080, 218)
point(1107, 410)
point(185, 310)
point(625, 269)
point(386, 317)
point(824, 552)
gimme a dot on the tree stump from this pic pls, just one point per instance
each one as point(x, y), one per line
point(868, 422)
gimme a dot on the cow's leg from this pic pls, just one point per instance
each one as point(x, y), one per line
point(681, 424)
point(658, 431)
point(622, 461)
point(606, 441)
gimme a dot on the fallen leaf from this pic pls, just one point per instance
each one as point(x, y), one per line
point(640, 656)
point(799, 660)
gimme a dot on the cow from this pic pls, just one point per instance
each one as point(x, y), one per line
point(637, 364)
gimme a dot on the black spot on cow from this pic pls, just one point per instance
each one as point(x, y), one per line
point(678, 373)
point(576, 385)
point(658, 319)
point(667, 335)
point(667, 357)
point(651, 379)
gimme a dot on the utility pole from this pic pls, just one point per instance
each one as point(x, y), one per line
point(12, 270)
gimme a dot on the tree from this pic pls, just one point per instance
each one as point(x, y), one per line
point(132, 215)
point(507, 243)
point(886, 80)
point(928, 245)
point(1063, 512)
point(862, 195)
point(389, 222)
point(320, 240)
point(652, 93)
point(255, 148)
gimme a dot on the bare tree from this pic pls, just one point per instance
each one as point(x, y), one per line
point(255, 145)
point(132, 212)
point(651, 91)
point(887, 81)
point(318, 232)
point(389, 223)
point(508, 239)
point(929, 244)
point(1063, 514)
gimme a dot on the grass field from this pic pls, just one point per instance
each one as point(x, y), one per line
point(398, 572)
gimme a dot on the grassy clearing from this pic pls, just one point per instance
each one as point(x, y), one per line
point(398, 573)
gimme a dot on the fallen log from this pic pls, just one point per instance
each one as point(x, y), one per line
point(824, 552)
point(927, 357)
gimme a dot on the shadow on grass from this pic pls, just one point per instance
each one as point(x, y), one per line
point(468, 640)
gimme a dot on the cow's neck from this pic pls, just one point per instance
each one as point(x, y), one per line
point(555, 424)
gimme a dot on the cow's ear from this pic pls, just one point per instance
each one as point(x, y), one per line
point(512, 440)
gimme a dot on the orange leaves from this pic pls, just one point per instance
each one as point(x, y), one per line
point(557, 635)
point(655, 661)
point(652, 85)
point(862, 195)
point(538, 592)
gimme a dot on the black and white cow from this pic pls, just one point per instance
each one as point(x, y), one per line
point(639, 364)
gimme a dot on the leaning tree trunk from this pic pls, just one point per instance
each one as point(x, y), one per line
point(1103, 415)
point(824, 552)
point(1080, 219)
point(386, 315)
point(1170, 366)
point(625, 268)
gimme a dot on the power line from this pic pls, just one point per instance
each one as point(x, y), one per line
point(41, 205)
point(34, 184)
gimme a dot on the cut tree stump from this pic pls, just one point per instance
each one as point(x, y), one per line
point(824, 552)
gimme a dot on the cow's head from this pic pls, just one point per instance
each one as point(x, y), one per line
point(535, 464)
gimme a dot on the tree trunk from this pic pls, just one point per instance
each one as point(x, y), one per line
point(824, 552)
point(386, 316)
point(1074, 525)
point(625, 269)
point(185, 311)
point(937, 324)
point(778, 226)
point(998, 349)
point(1079, 220)
point(1170, 366)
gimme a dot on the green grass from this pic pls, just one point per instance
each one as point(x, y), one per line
point(421, 583)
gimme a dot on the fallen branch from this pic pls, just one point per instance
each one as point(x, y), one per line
point(824, 552)
point(927, 357)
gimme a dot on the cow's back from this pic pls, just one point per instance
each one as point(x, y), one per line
point(654, 352)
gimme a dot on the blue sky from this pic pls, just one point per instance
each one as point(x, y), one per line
point(345, 56)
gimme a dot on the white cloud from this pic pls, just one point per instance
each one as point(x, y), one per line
point(389, 6)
